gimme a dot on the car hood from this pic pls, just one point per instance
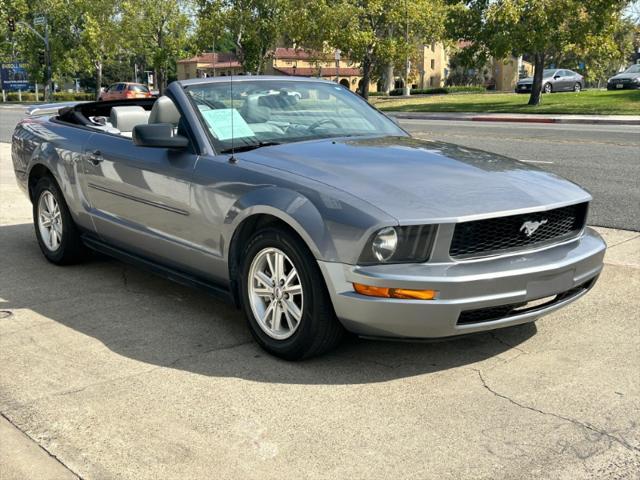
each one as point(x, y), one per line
point(623, 75)
point(416, 180)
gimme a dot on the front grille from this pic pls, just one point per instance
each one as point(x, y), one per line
point(501, 312)
point(498, 235)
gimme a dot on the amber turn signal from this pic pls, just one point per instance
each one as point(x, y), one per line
point(404, 293)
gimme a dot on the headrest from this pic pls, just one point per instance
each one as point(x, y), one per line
point(125, 118)
point(164, 111)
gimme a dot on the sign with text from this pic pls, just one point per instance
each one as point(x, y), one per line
point(15, 76)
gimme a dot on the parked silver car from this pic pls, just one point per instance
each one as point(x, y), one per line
point(554, 80)
point(630, 78)
point(312, 211)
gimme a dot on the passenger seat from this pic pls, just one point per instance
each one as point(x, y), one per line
point(125, 118)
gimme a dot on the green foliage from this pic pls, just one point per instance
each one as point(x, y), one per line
point(540, 28)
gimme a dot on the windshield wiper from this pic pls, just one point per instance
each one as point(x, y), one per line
point(251, 146)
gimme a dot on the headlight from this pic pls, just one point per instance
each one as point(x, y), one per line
point(410, 244)
point(384, 244)
point(636, 80)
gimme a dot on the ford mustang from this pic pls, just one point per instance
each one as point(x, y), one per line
point(309, 209)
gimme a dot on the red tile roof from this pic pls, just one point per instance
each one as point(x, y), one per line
point(326, 71)
point(217, 60)
point(298, 54)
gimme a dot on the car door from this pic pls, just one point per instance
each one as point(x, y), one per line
point(566, 79)
point(140, 198)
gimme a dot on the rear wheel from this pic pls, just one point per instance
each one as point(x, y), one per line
point(57, 234)
point(577, 87)
point(547, 88)
point(284, 297)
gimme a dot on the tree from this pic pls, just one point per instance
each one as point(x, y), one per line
point(98, 24)
point(379, 34)
point(156, 29)
point(540, 28)
point(256, 27)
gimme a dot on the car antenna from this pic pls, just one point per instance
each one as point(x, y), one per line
point(232, 158)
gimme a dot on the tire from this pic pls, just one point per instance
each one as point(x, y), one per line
point(547, 88)
point(68, 248)
point(577, 87)
point(317, 330)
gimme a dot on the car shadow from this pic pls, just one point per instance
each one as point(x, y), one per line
point(149, 319)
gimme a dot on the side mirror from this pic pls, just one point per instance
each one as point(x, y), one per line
point(158, 135)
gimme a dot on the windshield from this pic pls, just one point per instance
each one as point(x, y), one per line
point(267, 112)
point(548, 72)
point(633, 69)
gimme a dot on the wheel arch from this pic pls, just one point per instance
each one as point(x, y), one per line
point(280, 208)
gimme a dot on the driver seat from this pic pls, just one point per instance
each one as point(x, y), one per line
point(164, 111)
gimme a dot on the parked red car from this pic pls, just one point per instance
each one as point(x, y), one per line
point(124, 90)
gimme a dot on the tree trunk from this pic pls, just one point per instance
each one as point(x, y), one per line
point(366, 76)
point(98, 79)
point(536, 88)
point(389, 79)
point(161, 80)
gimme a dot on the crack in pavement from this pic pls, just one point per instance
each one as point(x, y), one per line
point(131, 375)
point(578, 423)
point(52, 455)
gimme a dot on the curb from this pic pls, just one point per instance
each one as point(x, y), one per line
point(483, 118)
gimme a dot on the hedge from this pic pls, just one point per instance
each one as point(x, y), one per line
point(439, 90)
point(57, 97)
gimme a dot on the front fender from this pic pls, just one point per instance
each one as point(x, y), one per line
point(293, 208)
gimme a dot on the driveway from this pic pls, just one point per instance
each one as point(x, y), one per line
point(119, 374)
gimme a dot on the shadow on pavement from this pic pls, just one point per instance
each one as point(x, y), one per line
point(153, 320)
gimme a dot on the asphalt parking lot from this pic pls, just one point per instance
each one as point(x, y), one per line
point(109, 372)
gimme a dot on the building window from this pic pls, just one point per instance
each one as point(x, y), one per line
point(433, 64)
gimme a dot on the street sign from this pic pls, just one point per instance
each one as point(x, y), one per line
point(40, 20)
point(14, 76)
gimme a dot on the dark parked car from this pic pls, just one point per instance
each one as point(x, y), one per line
point(554, 80)
point(630, 78)
point(309, 209)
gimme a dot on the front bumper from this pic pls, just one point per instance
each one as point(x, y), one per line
point(524, 88)
point(623, 86)
point(568, 270)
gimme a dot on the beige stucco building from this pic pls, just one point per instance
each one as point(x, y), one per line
point(282, 61)
point(433, 64)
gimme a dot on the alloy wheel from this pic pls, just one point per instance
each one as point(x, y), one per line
point(50, 221)
point(275, 293)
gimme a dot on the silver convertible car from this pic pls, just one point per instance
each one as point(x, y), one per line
point(309, 209)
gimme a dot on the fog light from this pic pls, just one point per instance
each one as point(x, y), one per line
point(404, 293)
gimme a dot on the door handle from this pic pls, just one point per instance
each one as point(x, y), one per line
point(95, 157)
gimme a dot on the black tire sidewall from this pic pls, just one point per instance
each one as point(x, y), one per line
point(69, 244)
point(315, 295)
point(547, 88)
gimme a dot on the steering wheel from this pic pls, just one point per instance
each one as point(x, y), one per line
point(321, 122)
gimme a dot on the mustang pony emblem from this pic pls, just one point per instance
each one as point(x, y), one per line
point(529, 227)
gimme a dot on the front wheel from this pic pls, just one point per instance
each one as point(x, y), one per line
point(284, 297)
point(547, 88)
point(577, 87)
point(57, 234)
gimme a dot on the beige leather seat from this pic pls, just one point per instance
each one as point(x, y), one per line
point(164, 111)
point(126, 117)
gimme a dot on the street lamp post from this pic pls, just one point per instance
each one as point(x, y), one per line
point(47, 52)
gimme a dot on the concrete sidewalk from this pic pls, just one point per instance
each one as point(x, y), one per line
point(521, 118)
point(109, 372)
